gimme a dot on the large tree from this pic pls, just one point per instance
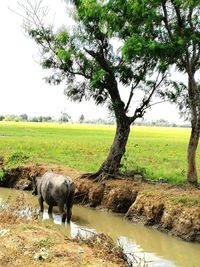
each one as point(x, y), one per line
point(169, 32)
point(89, 59)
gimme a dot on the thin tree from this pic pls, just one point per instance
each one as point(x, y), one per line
point(86, 59)
point(81, 118)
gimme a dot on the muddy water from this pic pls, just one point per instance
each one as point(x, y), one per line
point(158, 249)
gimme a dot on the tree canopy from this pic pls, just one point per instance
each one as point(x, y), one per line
point(167, 31)
point(91, 59)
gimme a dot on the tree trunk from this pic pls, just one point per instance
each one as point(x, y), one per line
point(192, 176)
point(194, 98)
point(111, 165)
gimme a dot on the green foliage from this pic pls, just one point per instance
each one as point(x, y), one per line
point(15, 159)
point(87, 51)
point(62, 37)
point(2, 117)
point(46, 242)
point(130, 168)
point(133, 46)
point(186, 201)
point(11, 117)
point(98, 78)
point(38, 35)
point(167, 31)
point(1, 175)
point(63, 54)
point(47, 63)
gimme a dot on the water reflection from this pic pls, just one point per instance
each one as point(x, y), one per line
point(158, 249)
point(82, 227)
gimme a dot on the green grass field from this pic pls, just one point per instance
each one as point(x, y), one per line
point(157, 152)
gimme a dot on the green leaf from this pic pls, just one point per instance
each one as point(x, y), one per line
point(63, 54)
point(62, 37)
point(180, 41)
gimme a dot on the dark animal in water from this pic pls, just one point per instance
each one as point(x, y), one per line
point(55, 190)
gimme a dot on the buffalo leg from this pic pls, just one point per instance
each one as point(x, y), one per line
point(70, 203)
point(40, 199)
point(50, 209)
point(62, 213)
point(69, 214)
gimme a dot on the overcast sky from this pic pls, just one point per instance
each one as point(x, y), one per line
point(22, 87)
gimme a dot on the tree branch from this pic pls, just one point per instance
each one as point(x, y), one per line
point(159, 102)
point(111, 83)
point(190, 19)
point(79, 73)
point(139, 112)
point(192, 28)
point(179, 18)
point(131, 95)
point(143, 70)
point(100, 59)
point(166, 20)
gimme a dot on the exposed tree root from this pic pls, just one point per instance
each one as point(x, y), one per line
point(89, 175)
point(98, 176)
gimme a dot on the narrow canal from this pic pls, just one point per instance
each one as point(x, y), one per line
point(156, 248)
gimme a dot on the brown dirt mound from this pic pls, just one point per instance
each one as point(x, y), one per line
point(183, 222)
point(119, 199)
point(26, 243)
point(149, 210)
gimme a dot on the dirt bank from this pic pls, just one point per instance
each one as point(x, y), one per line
point(30, 243)
point(170, 208)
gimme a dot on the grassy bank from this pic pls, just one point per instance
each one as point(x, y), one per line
point(156, 152)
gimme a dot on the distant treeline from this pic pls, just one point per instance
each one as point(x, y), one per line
point(24, 117)
point(67, 118)
point(162, 123)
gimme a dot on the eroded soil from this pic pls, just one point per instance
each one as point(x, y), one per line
point(170, 208)
point(30, 243)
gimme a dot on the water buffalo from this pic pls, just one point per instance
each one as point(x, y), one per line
point(55, 190)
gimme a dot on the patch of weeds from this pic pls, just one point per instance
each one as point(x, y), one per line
point(2, 175)
point(27, 227)
point(46, 242)
point(103, 243)
point(16, 159)
point(12, 161)
point(129, 168)
point(185, 200)
point(148, 193)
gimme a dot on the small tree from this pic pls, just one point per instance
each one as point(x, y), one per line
point(82, 118)
point(88, 53)
point(11, 117)
point(23, 117)
point(2, 117)
point(65, 117)
point(34, 119)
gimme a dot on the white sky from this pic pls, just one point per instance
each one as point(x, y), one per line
point(22, 88)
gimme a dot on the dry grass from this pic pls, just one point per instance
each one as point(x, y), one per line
point(25, 242)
